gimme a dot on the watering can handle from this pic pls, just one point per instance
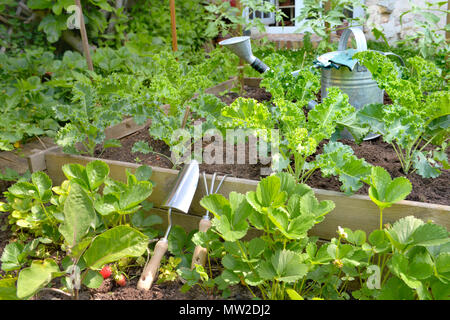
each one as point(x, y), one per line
point(395, 55)
point(361, 43)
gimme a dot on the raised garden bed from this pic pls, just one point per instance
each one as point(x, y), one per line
point(355, 212)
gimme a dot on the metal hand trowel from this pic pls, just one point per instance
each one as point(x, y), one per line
point(180, 199)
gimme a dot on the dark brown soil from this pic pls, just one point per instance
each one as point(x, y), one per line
point(375, 152)
point(109, 290)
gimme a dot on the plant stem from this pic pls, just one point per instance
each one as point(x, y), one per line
point(47, 215)
point(381, 218)
point(251, 267)
point(400, 158)
point(57, 291)
point(308, 174)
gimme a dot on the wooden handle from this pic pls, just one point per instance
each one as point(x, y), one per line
point(200, 253)
point(150, 270)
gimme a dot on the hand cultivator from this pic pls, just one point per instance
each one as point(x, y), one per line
point(180, 198)
point(199, 256)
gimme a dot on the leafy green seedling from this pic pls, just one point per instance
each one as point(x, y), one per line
point(284, 211)
point(384, 191)
point(417, 118)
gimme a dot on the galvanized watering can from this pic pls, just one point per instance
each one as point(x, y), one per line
point(348, 75)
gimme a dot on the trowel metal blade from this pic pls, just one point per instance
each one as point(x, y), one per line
point(182, 193)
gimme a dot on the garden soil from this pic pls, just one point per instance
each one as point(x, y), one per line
point(170, 290)
point(375, 152)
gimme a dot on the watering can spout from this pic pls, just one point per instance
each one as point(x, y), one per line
point(242, 47)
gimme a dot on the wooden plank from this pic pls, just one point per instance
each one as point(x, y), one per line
point(187, 221)
point(123, 129)
point(12, 165)
point(13, 161)
point(35, 157)
point(18, 159)
point(36, 160)
point(252, 82)
point(221, 87)
point(354, 212)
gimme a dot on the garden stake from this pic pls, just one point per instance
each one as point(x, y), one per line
point(84, 39)
point(180, 198)
point(173, 25)
point(200, 253)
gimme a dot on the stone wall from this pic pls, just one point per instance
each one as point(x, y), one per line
point(386, 14)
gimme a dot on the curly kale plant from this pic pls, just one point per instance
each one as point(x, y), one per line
point(175, 98)
point(419, 116)
point(300, 135)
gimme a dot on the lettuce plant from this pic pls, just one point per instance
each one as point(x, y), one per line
point(418, 116)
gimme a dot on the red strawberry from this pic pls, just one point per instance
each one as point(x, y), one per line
point(121, 280)
point(232, 2)
point(106, 272)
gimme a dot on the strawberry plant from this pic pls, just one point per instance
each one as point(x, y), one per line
point(404, 261)
point(384, 191)
point(85, 252)
point(283, 211)
point(72, 217)
point(418, 116)
point(37, 207)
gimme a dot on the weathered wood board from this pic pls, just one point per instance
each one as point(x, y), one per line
point(354, 212)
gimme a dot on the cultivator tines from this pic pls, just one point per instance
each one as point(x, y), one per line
point(200, 253)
